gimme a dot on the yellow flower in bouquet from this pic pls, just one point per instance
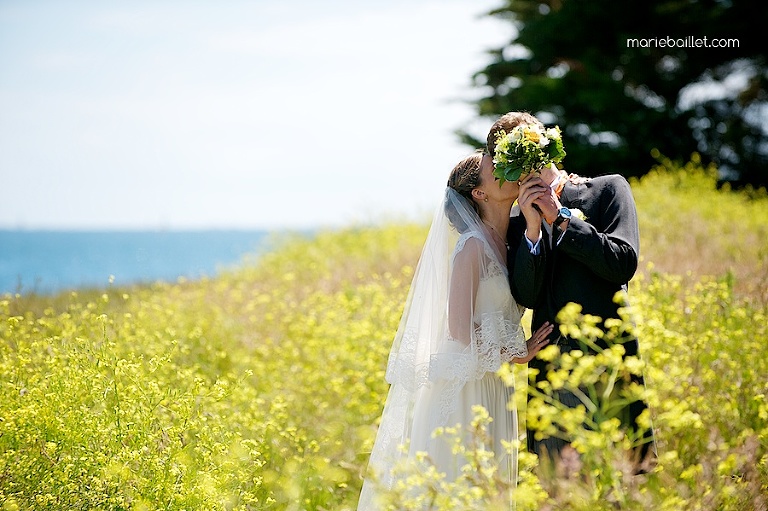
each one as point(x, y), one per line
point(525, 149)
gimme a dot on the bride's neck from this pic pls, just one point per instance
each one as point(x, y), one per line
point(497, 217)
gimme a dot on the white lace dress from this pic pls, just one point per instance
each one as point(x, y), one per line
point(444, 362)
point(449, 399)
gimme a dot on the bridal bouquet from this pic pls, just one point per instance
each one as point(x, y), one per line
point(525, 149)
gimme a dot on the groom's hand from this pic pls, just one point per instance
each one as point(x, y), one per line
point(546, 202)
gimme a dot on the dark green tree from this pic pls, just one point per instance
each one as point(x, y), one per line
point(613, 75)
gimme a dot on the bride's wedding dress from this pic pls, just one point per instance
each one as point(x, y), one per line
point(459, 325)
point(457, 387)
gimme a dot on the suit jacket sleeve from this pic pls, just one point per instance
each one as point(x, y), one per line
point(613, 252)
point(526, 276)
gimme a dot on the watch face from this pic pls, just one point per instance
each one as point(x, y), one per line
point(565, 212)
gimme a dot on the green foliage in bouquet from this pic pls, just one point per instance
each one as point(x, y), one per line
point(526, 149)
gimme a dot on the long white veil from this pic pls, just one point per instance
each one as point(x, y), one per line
point(459, 323)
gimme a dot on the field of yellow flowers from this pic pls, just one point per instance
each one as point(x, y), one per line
point(260, 388)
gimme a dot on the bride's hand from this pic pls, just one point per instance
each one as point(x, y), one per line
point(532, 189)
point(538, 340)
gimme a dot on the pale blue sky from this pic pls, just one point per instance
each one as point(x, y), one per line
point(240, 114)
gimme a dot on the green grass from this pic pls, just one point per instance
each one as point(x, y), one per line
point(690, 228)
point(261, 388)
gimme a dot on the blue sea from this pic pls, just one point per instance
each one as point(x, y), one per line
point(47, 262)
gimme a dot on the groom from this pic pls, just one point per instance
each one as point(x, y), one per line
point(556, 257)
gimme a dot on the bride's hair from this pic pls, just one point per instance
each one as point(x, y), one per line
point(506, 122)
point(464, 178)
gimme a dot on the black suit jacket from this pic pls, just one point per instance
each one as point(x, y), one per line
point(595, 259)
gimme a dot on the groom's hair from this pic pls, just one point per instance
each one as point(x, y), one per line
point(505, 123)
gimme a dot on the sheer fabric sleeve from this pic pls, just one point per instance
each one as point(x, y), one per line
point(465, 280)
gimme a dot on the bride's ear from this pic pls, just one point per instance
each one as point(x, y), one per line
point(478, 194)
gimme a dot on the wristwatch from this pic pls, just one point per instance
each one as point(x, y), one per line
point(563, 214)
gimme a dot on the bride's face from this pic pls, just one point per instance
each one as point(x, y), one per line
point(490, 185)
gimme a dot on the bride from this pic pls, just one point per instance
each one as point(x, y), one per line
point(460, 323)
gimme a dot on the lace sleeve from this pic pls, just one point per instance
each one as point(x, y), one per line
point(465, 280)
